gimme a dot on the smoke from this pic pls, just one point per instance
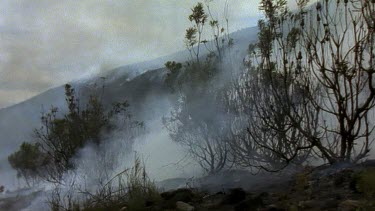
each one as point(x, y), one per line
point(68, 40)
point(45, 44)
point(163, 158)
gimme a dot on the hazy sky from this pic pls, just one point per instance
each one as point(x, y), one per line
point(46, 43)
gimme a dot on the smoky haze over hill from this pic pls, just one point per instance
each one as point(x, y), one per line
point(141, 84)
point(69, 40)
point(262, 117)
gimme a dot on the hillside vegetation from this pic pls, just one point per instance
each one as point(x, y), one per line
point(297, 112)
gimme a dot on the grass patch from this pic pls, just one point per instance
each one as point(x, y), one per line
point(131, 188)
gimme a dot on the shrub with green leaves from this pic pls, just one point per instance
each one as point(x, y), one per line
point(366, 183)
point(28, 161)
point(63, 135)
point(302, 182)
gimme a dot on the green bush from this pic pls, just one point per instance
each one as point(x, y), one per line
point(28, 161)
point(366, 183)
point(302, 182)
point(62, 136)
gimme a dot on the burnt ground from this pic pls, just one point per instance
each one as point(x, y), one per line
point(343, 187)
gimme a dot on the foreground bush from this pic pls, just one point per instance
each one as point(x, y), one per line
point(27, 161)
point(61, 136)
point(131, 189)
point(366, 183)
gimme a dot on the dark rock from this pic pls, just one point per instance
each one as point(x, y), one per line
point(349, 205)
point(251, 203)
point(330, 204)
point(182, 206)
point(235, 196)
point(309, 204)
point(172, 197)
point(220, 193)
point(273, 208)
point(184, 194)
point(149, 203)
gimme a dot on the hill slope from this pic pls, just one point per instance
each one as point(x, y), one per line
point(138, 83)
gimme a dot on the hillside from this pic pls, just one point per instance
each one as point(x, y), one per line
point(139, 84)
point(279, 120)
